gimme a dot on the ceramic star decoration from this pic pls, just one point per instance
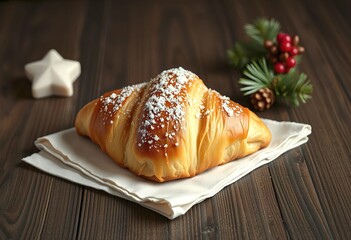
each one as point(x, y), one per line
point(53, 75)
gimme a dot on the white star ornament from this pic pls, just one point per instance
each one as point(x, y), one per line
point(53, 75)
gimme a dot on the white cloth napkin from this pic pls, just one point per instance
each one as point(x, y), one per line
point(67, 155)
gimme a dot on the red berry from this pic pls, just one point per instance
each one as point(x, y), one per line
point(290, 62)
point(294, 51)
point(280, 36)
point(285, 46)
point(279, 67)
point(283, 37)
point(286, 38)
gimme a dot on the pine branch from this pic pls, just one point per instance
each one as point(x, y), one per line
point(302, 90)
point(258, 76)
point(242, 53)
point(295, 88)
point(262, 29)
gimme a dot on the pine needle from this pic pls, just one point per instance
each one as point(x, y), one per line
point(257, 76)
point(259, 31)
point(262, 29)
point(242, 53)
point(296, 88)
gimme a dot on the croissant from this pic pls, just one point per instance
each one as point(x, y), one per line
point(171, 127)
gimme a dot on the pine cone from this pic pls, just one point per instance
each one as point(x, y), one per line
point(262, 99)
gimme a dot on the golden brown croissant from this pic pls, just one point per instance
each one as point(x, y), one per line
point(171, 127)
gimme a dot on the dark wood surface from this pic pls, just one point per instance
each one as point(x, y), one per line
point(304, 194)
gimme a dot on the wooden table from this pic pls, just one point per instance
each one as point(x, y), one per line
point(304, 194)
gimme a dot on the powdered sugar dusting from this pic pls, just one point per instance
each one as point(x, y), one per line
point(231, 109)
point(112, 103)
point(225, 106)
point(203, 112)
point(164, 108)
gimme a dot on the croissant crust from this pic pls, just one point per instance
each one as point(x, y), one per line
point(171, 127)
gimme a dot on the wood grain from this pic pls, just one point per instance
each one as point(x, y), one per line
point(303, 194)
